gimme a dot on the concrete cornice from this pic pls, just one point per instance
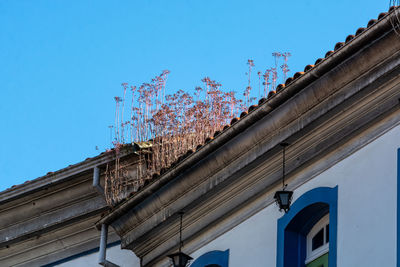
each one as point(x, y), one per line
point(62, 175)
point(57, 209)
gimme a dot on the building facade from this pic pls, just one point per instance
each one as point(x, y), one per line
point(341, 119)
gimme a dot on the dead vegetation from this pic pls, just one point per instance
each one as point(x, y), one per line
point(163, 127)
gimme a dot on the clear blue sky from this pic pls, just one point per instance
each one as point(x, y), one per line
point(62, 62)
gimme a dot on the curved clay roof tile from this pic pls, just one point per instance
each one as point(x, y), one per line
point(392, 8)
point(280, 87)
point(360, 30)
point(226, 127)
point(288, 80)
point(189, 152)
point(382, 15)
point(349, 38)
point(298, 74)
point(163, 170)
point(216, 133)
point(235, 120)
point(208, 139)
point(308, 67)
point(244, 113)
point(338, 45)
point(318, 61)
point(271, 94)
point(262, 100)
point(328, 53)
point(371, 22)
point(182, 157)
point(252, 107)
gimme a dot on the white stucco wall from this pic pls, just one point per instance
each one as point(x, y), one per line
point(367, 182)
point(116, 255)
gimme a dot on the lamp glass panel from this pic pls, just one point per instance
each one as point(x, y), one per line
point(284, 198)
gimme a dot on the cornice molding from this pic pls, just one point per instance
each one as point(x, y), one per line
point(354, 97)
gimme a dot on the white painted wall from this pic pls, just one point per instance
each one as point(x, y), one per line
point(367, 183)
point(116, 255)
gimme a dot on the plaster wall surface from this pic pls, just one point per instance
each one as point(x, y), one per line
point(116, 255)
point(367, 182)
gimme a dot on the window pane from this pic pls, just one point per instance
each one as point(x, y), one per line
point(318, 239)
point(327, 234)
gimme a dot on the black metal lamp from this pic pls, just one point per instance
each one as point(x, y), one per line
point(180, 259)
point(283, 198)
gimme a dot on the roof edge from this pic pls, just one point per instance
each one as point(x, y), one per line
point(59, 176)
point(331, 60)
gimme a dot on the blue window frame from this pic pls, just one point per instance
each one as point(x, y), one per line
point(294, 226)
point(398, 209)
point(212, 258)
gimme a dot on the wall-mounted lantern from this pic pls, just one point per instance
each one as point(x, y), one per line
point(180, 259)
point(283, 198)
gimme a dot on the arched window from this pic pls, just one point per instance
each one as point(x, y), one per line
point(215, 258)
point(312, 212)
point(318, 244)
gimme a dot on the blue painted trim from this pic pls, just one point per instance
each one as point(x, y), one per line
point(213, 257)
point(295, 224)
point(397, 211)
point(87, 252)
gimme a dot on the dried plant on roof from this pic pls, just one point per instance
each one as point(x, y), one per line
point(285, 67)
point(162, 128)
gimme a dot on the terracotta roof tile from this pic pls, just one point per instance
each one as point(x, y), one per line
point(271, 93)
point(360, 30)
point(338, 45)
point(234, 120)
point(349, 38)
point(298, 74)
point(189, 152)
point(371, 22)
point(381, 15)
point(208, 139)
point(288, 80)
point(261, 101)
point(252, 107)
point(308, 67)
point(226, 127)
point(329, 53)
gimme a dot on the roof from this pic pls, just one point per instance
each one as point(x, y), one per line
point(341, 51)
point(282, 92)
point(88, 164)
